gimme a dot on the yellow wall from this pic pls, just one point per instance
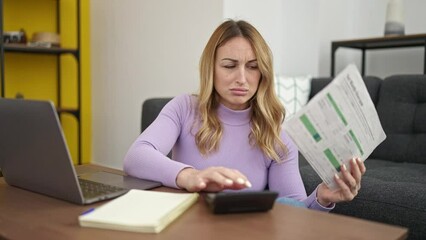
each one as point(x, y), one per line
point(34, 75)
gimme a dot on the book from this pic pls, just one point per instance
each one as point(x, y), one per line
point(338, 123)
point(139, 211)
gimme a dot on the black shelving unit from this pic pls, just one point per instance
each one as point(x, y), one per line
point(58, 52)
point(413, 40)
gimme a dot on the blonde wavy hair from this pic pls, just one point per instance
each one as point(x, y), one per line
point(267, 111)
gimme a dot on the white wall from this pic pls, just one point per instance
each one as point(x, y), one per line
point(366, 19)
point(142, 49)
point(265, 16)
point(151, 48)
point(300, 33)
point(285, 25)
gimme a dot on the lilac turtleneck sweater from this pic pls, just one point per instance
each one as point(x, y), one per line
point(174, 128)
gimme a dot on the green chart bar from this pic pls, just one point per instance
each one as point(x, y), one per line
point(336, 108)
point(356, 141)
point(311, 129)
point(332, 159)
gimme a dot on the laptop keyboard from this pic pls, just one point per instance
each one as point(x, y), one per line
point(92, 189)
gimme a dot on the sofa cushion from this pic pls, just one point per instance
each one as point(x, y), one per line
point(402, 112)
point(391, 192)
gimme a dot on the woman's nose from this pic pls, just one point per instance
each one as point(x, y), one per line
point(241, 77)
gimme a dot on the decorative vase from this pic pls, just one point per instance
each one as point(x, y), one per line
point(394, 18)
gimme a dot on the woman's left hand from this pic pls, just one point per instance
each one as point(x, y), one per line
point(349, 184)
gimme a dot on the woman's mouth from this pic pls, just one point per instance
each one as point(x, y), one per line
point(239, 91)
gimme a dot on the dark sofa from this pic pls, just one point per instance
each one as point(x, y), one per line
point(394, 187)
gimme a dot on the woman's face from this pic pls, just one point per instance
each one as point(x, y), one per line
point(236, 73)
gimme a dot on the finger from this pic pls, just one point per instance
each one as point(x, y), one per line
point(217, 177)
point(190, 180)
point(348, 178)
point(356, 172)
point(361, 166)
point(236, 176)
point(196, 186)
point(346, 191)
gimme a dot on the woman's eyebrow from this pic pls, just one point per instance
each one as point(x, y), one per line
point(234, 60)
point(229, 59)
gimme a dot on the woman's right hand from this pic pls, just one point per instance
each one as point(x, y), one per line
point(212, 179)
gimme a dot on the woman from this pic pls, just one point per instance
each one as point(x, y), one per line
point(230, 136)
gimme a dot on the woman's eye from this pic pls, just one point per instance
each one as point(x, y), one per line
point(229, 66)
point(253, 66)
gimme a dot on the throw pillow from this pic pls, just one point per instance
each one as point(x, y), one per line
point(293, 92)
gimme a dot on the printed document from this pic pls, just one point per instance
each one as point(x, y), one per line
point(338, 124)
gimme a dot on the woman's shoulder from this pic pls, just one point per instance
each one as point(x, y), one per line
point(182, 103)
point(188, 100)
point(185, 98)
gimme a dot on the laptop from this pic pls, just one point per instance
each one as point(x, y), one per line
point(34, 156)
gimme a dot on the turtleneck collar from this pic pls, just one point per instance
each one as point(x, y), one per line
point(234, 117)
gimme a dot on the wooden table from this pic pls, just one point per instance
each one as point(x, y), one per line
point(28, 215)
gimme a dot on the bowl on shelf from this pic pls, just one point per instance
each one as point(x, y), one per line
point(45, 39)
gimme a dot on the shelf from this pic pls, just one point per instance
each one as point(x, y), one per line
point(413, 40)
point(73, 111)
point(22, 48)
point(63, 9)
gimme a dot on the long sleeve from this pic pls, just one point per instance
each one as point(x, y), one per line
point(147, 157)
